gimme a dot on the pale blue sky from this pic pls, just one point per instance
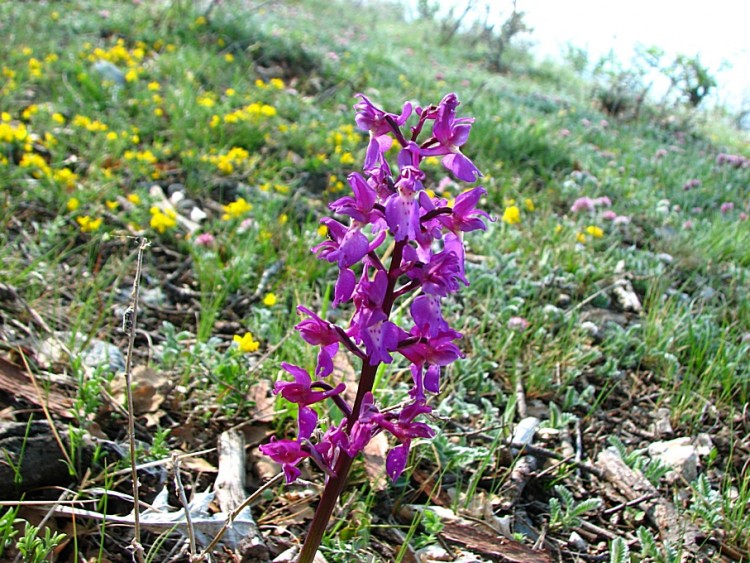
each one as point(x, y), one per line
point(717, 30)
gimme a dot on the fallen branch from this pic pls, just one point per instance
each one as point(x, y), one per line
point(661, 513)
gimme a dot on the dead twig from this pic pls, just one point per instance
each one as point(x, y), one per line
point(185, 504)
point(129, 323)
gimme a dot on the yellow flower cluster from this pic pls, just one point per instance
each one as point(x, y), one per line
point(250, 112)
point(237, 208)
point(246, 343)
point(65, 177)
point(227, 163)
point(10, 133)
point(141, 156)
point(276, 83)
point(89, 225)
point(279, 188)
point(161, 221)
point(512, 215)
point(93, 126)
point(9, 76)
point(36, 164)
point(206, 100)
point(118, 53)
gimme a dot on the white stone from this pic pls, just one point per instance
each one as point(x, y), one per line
point(679, 455)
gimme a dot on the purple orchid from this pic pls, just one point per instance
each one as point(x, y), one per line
point(426, 256)
point(301, 392)
point(449, 134)
point(466, 217)
point(287, 453)
point(379, 124)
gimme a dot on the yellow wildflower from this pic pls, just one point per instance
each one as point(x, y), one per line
point(269, 300)
point(580, 237)
point(277, 83)
point(322, 230)
point(595, 231)
point(512, 215)
point(206, 100)
point(229, 57)
point(246, 343)
point(30, 111)
point(135, 199)
point(89, 225)
point(73, 204)
point(131, 75)
point(154, 86)
point(236, 209)
point(58, 118)
point(529, 204)
point(111, 205)
point(162, 220)
point(66, 177)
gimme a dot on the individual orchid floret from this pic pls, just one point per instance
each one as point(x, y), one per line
point(442, 274)
point(466, 217)
point(321, 333)
point(404, 429)
point(402, 208)
point(360, 207)
point(301, 392)
point(380, 337)
point(345, 246)
point(449, 134)
point(287, 453)
point(380, 125)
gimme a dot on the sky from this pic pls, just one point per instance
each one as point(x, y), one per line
point(716, 30)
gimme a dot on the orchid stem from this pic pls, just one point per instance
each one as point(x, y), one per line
point(336, 483)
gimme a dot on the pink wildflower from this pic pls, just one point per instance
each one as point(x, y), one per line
point(519, 324)
point(205, 239)
point(582, 204)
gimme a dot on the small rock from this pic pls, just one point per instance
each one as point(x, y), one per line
point(433, 553)
point(103, 354)
point(664, 257)
point(552, 312)
point(678, 454)
point(707, 293)
point(525, 430)
point(109, 72)
point(703, 444)
point(662, 425)
point(97, 354)
point(174, 188)
point(575, 541)
point(590, 328)
point(563, 300)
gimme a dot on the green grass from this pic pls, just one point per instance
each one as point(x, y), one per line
point(247, 114)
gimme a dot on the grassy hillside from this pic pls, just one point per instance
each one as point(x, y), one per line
point(608, 299)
